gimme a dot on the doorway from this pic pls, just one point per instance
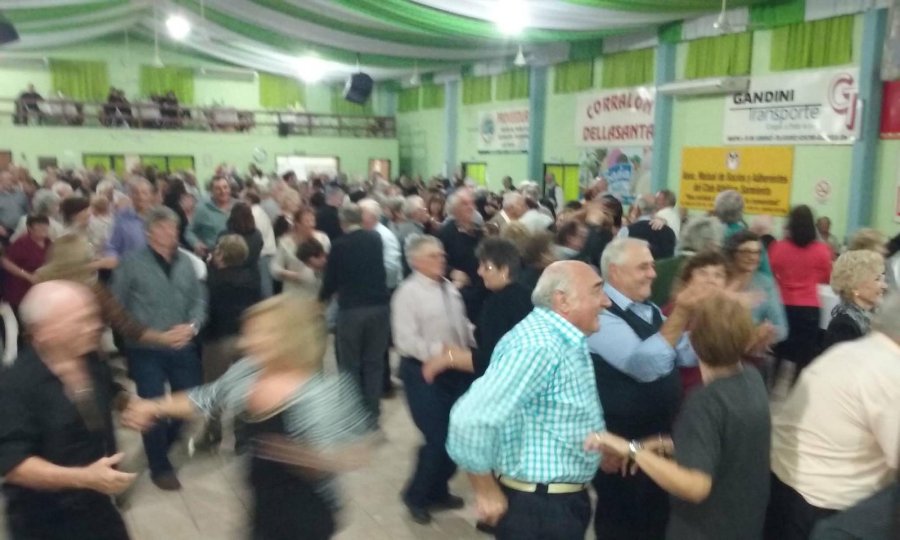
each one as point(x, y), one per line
point(380, 166)
point(476, 170)
point(566, 175)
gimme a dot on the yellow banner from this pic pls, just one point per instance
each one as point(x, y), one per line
point(762, 174)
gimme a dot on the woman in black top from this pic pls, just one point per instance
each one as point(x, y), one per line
point(241, 223)
point(716, 465)
point(858, 279)
point(174, 200)
point(509, 303)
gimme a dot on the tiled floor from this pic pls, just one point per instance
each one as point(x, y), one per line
point(213, 503)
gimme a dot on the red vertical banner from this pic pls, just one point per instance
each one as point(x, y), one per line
point(890, 111)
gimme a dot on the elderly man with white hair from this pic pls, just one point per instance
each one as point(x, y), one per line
point(429, 324)
point(536, 218)
point(415, 216)
point(57, 444)
point(460, 235)
point(371, 221)
point(661, 239)
point(514, 208)
point(836, 439)
point(636, 353)
point(516, 431)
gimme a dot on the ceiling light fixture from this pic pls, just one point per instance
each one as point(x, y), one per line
point(311, 69)
point(178, 27)
point(520, 58)
point(511, 16)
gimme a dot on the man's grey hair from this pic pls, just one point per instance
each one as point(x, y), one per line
point(729, 206)
point(332, 191)
point(414, 244)
point(646, 205)
point(135, 182)
point(350, 215)
point(395, 204)
point(453, 200)
point(412, 204)
point(530, 189)
point(616, 253)
point(371, 206)
point(701, 234)
point(556, 278)
point(43, 202)
point(159, 214)
point(669, 197)
point(513, 198)
point(887, 318)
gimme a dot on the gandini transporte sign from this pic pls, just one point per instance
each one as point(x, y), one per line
point(622, 117)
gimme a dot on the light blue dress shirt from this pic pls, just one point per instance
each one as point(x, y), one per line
point(645, 360)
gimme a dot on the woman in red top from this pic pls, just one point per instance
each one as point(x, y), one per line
point(799, 264)
point(23, 258)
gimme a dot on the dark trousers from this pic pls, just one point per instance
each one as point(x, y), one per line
point(540, 516)
point(629, 508)
point(429, 405)
point(804, 341)
point(151, 369)
point(789, 516)
point(92, 518)
point(361, 337)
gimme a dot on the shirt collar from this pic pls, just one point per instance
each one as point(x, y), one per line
point(424, 280)
point(565, 328)
point(617, 297)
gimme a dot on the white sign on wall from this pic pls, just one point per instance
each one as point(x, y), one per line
point(608, 118)
point(503, 131)
point(801, 107)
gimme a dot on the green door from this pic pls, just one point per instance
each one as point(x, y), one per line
point(476, 171)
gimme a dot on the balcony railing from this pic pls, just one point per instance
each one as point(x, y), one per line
point(157, 116)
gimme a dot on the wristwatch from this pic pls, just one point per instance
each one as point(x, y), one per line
point(633, 447)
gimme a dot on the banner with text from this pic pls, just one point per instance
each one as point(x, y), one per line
point(615, 118)
point(503, 131)
point(762, 174)
point(803, 107)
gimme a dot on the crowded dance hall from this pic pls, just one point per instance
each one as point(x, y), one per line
point(449, 269)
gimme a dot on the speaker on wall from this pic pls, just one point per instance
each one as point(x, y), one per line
point(8, 32)
point(358, 88)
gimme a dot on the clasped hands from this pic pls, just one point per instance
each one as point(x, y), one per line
point(615, 450)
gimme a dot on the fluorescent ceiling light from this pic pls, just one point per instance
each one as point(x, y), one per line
point(311, 69)
point(178, 27)
point(511, 16)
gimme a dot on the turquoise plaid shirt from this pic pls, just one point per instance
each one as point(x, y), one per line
point(528, 416)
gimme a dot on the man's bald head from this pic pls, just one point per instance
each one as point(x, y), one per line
point(61, 316)
point(50, 299)
point(573, 290)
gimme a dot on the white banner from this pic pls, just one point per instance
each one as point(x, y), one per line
point(802, 107)
point(608, 118)
point(503, 131)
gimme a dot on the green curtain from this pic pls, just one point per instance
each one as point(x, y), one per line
point(78, 79)
point(828, 42)
point(476, 90)
point(772, 16)
point(629, 68)
point(408, 100)
point(277, 92)
point(156, 80)
point(342, 107)
point(573, 76)
point(719, 56)
point(512, 84)
point(432, 96)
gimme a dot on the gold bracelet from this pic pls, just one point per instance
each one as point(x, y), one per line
point(450, 354)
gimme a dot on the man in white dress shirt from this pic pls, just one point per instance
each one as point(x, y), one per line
point(666, 211)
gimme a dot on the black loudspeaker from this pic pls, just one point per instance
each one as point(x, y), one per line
point(283, 129)
point(358, 88)
point(8, 32)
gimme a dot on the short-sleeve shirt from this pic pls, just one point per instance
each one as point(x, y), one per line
point(724, 431)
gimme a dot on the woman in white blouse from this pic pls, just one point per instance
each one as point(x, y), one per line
point(287, 267)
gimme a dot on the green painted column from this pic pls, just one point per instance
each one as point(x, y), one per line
point(660, 175)
point(865, 150)
point(451, 121)
point(537, 112)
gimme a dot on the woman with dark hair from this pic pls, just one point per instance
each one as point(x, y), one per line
point(174, 199)
point(509, 303)
point(435, 205)
point(241, 223)
point(799, 264)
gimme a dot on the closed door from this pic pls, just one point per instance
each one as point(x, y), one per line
point(566, 175)
point(380, 166)
point(476, 171)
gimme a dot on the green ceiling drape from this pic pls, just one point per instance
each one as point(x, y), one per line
point(277, 92)
point(342, 107)
point(158, 81)
point(513, 84)
point(476, 90)
point(432, 96)
point(772, 16)
point(408, 100)
point(629, 68)
point(573, 76)
point(720, 56)
point(79, 79)
point(828, 42)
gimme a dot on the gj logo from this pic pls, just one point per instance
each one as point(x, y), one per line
point(842, 96)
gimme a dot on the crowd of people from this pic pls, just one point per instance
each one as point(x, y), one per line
point(546, 348)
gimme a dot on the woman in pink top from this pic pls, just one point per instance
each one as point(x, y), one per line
point(799, 264)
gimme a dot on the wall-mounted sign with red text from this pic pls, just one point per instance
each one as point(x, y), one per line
point(613, 118)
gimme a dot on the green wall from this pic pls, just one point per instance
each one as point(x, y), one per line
point(559, 132)
point(422, 138)
point(498, 165)
point(208, 149)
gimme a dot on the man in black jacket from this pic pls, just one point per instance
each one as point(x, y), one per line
point(355, 271)
point(660, 236)
point(327, 219)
